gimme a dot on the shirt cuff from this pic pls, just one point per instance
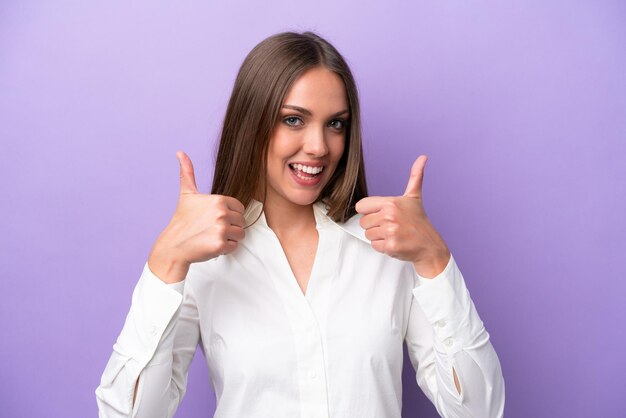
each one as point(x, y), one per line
point(448, 307)
point(178, 286)
point(154, 304)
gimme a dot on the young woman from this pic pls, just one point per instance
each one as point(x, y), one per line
point(298, 287)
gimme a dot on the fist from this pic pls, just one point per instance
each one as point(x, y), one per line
point(398, 226)
point(203, 226)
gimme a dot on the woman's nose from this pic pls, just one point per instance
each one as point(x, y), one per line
point(315, 142)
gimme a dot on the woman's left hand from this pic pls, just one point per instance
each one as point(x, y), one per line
point(398, 226)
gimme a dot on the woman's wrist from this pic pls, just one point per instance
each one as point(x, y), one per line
point(432, 266)
point(168, 269)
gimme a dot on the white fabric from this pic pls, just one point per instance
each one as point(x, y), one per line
point(274, 352)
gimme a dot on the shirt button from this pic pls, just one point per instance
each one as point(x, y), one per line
point(448, 342)
point(441, 323)
point(312, 374)
point(154, 331)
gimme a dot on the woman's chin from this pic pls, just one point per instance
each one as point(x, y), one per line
point(303, 199)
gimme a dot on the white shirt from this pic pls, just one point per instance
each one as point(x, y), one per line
point(274, 352)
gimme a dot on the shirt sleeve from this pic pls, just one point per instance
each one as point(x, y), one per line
point(156, 346)
point(445, 333)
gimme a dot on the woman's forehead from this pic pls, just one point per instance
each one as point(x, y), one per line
point(318, 90)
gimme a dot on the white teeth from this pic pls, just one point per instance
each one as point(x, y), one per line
point(303, 177)
point(307, 169)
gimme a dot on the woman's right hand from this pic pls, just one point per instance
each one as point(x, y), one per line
point(204, 226)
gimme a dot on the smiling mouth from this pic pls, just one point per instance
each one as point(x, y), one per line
point(306, 172)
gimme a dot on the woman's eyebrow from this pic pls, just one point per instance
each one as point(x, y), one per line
point(308, 112)
point(340, 113)
point(298, 108)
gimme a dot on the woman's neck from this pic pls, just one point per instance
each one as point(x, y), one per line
point(286, 217)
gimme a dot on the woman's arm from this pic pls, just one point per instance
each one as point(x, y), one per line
point(456, 365)
point(147, 373)
point(449, 347)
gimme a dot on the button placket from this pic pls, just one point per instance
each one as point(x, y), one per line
point(303, 318)
point(310, 367)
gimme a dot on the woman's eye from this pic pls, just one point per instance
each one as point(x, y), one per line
point(292, 121)
point(337, 124)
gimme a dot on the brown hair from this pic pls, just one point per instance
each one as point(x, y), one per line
point(263, 80)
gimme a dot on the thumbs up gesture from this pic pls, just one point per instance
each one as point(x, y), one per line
point(398, 226)
point(203, 226)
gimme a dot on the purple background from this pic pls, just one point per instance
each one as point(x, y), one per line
point(521, 107)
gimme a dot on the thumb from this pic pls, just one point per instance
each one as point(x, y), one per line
point(187, 177)
point(414, 187)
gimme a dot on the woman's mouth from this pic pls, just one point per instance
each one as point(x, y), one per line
point(306, 175)
point(306, 172)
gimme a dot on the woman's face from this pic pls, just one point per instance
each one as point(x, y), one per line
point(308, 139)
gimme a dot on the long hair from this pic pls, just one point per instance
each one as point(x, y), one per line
point(263, 80)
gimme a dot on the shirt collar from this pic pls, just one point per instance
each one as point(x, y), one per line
point(351, 226)
point(252, 212)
